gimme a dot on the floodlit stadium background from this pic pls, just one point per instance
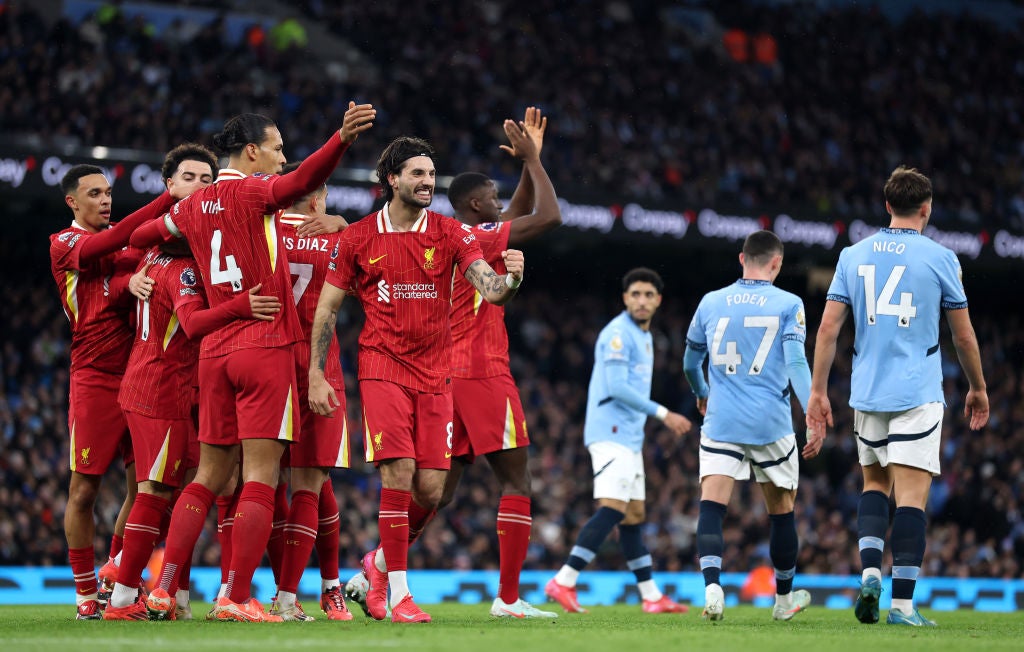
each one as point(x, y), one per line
point(675, 129)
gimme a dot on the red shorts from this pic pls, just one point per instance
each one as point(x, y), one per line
point(248, 394)
point(400, 422)
point(488, 416)
point(98, 430)
point(161, 447)
point(325, 441)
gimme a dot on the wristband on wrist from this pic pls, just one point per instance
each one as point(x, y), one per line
point(513, 283)
point(661, 413)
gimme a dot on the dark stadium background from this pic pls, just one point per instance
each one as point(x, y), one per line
point(646, 105)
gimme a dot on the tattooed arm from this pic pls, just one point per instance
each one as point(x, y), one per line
point(497, 288)
point(322, 398)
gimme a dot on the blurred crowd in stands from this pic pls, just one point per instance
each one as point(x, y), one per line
point(754, 105)
point(976, 520)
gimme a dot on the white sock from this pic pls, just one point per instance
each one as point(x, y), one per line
point(285, 600)
point(82, 599)
point(181, 597)
point(123, 596)
point(871, 572)
point(326, 585)
point(378, 561)
point(784, 601)
point(399, 586)
point(649, 590)
point(906, 606)
point(223, 592)
point(567, 576)
point(117, 558)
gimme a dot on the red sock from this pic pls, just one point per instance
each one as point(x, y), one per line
point(327, 534)
point(513, 540)
point(275, 546)
point(140, 535)
point(299, 537)
point(225, 519)
point(418, 519)
point(165, 522)
point(83, 567)
point(393, 523)
point(251, 531)
point(116, 545)
point(186, 525)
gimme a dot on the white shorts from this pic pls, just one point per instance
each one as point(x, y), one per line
point(618, 472)
point(911, 437)
point(777, 462)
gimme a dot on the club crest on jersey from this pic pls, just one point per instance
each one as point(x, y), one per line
point(377, 444)
point(489, 226)
point(85, 456)
point(188, 277)
point(334, 252)
point(428, 258)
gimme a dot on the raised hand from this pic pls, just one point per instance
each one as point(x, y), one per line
point(521, 145)
point(358, 119)
point(263, 307)
point(515, 264)
point(535, 125)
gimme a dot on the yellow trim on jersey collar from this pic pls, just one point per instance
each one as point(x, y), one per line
point(295, 218)
point(230, 174)
point(384, 222)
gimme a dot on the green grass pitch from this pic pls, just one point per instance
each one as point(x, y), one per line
point(469, 628)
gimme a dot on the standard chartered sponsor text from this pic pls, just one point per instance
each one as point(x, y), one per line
point(413, 291)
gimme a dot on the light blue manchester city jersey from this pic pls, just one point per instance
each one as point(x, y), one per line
point(896, 283)
point(621, 344)
point(743, 326)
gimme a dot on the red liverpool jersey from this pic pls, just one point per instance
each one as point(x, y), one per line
point(404, 281)
point(161, 376)
point(479, 338)
point(101, 335)
point(308, 259)
point(234, 234)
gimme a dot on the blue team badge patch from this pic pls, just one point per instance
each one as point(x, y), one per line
point(334, 252)
point(489, 226)
point(188, 277)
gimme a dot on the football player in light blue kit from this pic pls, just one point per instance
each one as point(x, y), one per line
point(618, 404)
point(755, 334)
point(896, 284)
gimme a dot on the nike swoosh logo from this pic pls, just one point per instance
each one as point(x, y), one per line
point(407, 616)
point(400, 525)
point(376, 260)
point(601, 470)
point(514, 614)
point(447, 455)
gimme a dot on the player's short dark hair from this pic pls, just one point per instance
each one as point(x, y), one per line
point(69, 183)
point(906, 190)
point(394, 156)
point(642, 275)
point(187, 152)
point(760, 246)
point(463, 186)
point(241, 130)
point(292, 166)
